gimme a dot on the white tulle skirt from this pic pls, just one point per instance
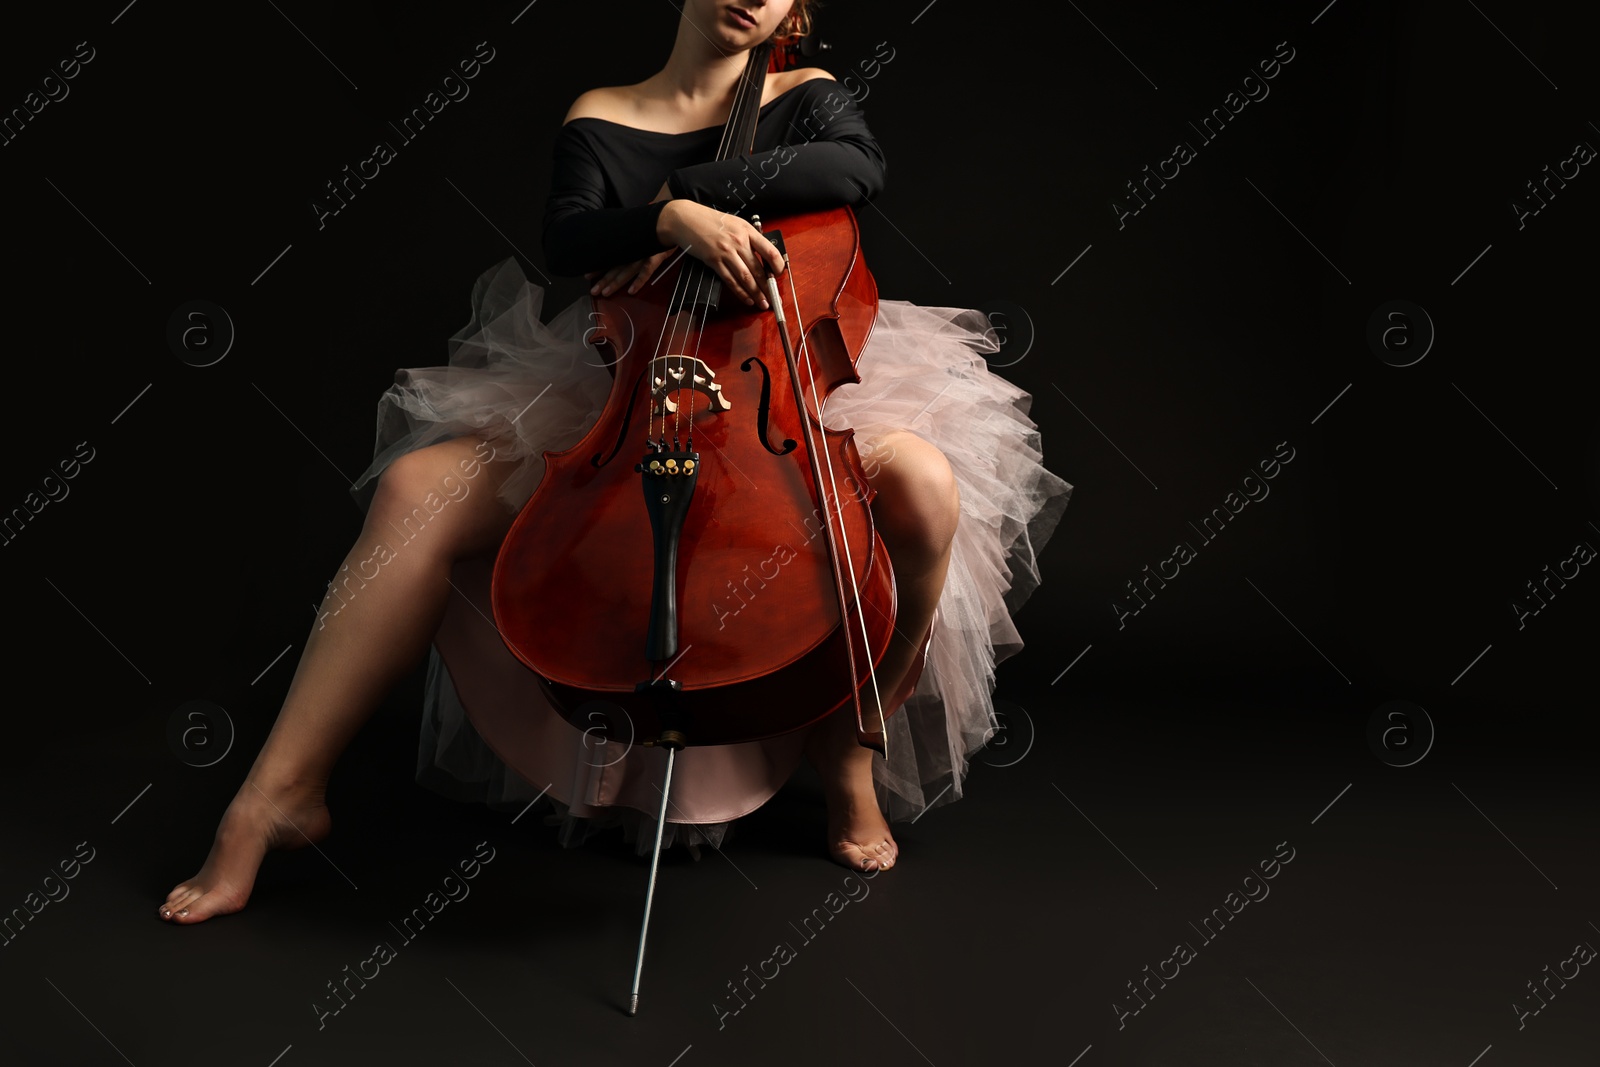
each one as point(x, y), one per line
point(489, 734)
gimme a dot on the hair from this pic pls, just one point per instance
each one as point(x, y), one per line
point(798, 20)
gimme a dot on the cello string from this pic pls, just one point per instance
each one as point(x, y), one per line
point(727, 126)
point(657, 360)
point(743, 91)
point(702, 282)
point(746, 90)
point(855, 589)
point(702, 279)
point(747, 80)
point(694, 328)
point(827, 460)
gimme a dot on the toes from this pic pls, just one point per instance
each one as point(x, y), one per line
point(221, 898)
point(849, 855)
point(880, 856)
point(175, 907)
point(194, 909)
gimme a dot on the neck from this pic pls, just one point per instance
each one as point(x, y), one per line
point(699, 73)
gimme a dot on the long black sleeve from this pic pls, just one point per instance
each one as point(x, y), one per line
point(815, 152)
point(582, 234)
point(828, 157)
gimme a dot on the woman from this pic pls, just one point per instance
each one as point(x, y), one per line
point(466, 440)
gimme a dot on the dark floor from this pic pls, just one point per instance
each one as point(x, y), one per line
point(1088, 902)
point(1408, 911)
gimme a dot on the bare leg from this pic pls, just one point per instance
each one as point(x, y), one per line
point(915, 512)
point(379, 616)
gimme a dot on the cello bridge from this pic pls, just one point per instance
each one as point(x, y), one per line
point(671, 374)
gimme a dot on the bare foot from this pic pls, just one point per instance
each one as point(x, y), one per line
point(858, 836)
point(257, 822)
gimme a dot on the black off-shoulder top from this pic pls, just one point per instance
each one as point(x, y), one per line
point(812, 151)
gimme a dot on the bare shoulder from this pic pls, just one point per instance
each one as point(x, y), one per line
point(607, 103)
point(789, 79)
point(624, 104)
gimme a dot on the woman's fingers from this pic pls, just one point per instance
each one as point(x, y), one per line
point(770, 254)
point(764, 259)
point(641, 274)
point(751, 287)
point(756, 259)
point(735, 274)
point(632, 275)
point(735, 250)
point(614, 279)
point(648, 268)
point(761, 259)
point(746, 260)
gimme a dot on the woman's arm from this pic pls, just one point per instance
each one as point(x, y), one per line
point(830, 159)
point(587, 240)
point(580, 233)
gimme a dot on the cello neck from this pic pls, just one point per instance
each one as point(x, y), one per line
point(739, 134)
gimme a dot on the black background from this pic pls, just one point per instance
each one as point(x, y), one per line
point(1180, 348)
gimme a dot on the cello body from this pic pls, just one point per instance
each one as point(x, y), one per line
point(764, 643)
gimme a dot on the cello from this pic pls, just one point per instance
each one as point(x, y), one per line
point(702, 567)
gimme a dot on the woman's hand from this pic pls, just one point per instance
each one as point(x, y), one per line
point(735, 250)
point(633, 275)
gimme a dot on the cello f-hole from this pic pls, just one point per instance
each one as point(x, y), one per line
point(762, 408)
point(627, 421)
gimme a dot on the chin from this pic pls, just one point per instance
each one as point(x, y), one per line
point(741, 38)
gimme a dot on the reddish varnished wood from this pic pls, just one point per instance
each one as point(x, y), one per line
point(762, 651)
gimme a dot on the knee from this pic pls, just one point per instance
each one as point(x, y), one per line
point(415, 488)
point(919, 501)
point(405, 483)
